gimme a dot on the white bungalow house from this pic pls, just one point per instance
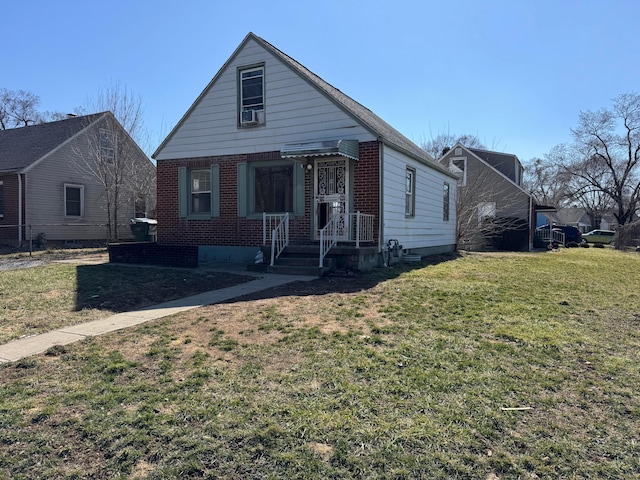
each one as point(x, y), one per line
point(272, 157)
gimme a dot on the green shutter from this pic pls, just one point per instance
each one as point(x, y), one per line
point(242, 189)
point(183, 192)
point(298, 188)
point(215, 190)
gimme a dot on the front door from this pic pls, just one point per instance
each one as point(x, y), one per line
point(331, 195)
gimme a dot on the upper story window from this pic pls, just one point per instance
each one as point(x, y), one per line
point(107, 144)
point(410, 192)
point(251, 95)
point(459, 167)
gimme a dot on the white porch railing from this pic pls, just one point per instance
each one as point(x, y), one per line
point(345, 227)
point(278, 226)
point(550, 236)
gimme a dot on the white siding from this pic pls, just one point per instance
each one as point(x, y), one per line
point(294, 112)
point(427, 228)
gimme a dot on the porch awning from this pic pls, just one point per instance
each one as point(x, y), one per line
point(345, 148)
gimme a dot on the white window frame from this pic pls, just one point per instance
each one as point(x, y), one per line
point(243, 71)
point(462, 180)
point(79, 187)
point(194, 189)
point(486, 210)
point(410, 192)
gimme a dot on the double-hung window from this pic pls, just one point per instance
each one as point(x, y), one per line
point(199, 192)
point(410, 193)
point(251, 92)
point(73, 200)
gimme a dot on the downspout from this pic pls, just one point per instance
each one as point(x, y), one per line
point(381, 200)
point(531, 229)
point(19, 210)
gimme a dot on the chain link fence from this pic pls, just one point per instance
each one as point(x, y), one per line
point(60, 235)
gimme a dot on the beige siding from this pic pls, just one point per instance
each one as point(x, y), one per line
point(45, 207)
point(294, 112)
point(427, 228)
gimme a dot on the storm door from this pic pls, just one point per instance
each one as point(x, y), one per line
point(331, 195)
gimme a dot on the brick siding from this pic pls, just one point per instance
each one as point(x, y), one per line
point(230, 230)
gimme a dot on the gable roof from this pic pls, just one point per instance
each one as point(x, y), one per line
point(381, 129)
point(22, 147)
point(493, 158)
point(488, 158)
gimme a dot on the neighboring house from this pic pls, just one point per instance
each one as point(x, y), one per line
point(491, 205)
point(578, 217)
point(52, 178)
point(268, 137)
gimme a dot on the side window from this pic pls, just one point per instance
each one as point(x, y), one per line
point(410, 193)
point(486, 210)
point(445, 202)
point(73, 200)
point(251, 93)
point(199, 192)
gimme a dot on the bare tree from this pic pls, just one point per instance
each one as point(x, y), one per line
point(546, 180)
point(488, 209)
point(442, 142)
point(115, 154)
point(18, 108)
point(126, 106)
point(605, 155)
point(109, 155)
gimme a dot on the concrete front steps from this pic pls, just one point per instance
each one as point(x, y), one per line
point(297, 260)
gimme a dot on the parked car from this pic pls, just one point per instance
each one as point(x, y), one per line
point(598, 236)
point(571, 234)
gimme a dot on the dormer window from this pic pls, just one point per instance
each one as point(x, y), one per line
point(251, 91)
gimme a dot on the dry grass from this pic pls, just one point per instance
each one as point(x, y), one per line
point(405, 373)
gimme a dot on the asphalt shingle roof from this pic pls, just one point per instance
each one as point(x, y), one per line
point(21, 147)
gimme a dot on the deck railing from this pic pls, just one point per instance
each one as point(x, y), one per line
point(550, 236)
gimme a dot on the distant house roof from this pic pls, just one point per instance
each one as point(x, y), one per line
point(493, 158)
point(22, 147)
point(385, 132)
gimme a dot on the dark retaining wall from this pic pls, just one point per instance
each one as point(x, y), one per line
point(147, 253)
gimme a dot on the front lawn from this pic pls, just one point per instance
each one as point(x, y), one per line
point(480, 366)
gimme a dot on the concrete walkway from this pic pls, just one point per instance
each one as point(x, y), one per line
point(24, 347)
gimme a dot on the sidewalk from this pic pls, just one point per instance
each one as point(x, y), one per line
point(24, 347)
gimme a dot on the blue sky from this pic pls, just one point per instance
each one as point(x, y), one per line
point(514, 73)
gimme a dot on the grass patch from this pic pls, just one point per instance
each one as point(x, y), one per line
point(484, 366)
point(39, 299)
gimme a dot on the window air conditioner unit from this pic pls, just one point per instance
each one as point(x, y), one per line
point(249, 117)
